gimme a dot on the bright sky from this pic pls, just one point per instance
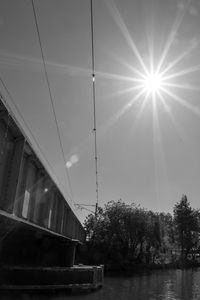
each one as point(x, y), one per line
point(148, 141)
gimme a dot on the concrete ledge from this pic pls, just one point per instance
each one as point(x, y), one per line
point(50, 287)
point(84, 277)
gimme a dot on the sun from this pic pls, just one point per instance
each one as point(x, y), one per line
point(153, 82)
point(155, 75)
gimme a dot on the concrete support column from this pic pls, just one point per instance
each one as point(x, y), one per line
point(65, 220)
point(54, 210)
point(58, 213)
point(69, 223)
point(61, 216)
point(38, 198)
point(19, 197)
point(32, 188)
point(50, 215)
point(63, 231)
point(14, 175)
point(70, 251)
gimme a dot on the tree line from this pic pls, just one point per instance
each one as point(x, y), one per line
point(120, 234)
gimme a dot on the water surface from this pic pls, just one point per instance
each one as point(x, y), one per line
point(162, 284)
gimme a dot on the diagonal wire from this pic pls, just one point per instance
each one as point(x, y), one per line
point(30, 131)
point(94, 104)
point(50, 94)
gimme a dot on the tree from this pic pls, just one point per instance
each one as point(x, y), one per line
point(186, 222)
point(122, 233)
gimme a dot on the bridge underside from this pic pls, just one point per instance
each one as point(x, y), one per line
point(25, 245)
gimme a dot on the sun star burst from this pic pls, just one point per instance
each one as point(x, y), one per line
point(156, 76)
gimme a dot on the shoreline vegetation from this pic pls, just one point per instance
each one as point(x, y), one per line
point(144, 268)
point(129, 238)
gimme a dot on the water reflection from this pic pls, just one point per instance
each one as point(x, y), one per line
point(165, 285)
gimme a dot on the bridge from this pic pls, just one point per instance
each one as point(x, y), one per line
point(37, 225)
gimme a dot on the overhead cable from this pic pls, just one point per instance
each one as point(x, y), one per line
point(27, 126)
point(51, 97)
point(94, 104)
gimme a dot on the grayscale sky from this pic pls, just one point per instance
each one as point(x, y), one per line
point(148, 143)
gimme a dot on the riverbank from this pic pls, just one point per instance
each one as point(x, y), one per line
point(129, 267)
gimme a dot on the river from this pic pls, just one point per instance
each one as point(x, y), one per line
point(159, 284)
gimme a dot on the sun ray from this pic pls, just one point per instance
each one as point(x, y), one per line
point(119, 21)
point(117, 76)
point(178, 59)
point(181, 133)
point(181, 86)
point(151, 60)
point(156, 140)
point(166, 106)
point(123, 91)
point(139, 114)
point(150, 43)
point(154, 104)
point(183, 72)
point(31, 63)
point(171, 37)
point(125, 63)
point(105, 127)
point(180, 100)
point(135, 71)
point(161, 174)
point(127, 106)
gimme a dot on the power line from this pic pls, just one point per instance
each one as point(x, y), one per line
point(85, 206)
point(51, 97)
point(30, 131)
point(94, 103)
